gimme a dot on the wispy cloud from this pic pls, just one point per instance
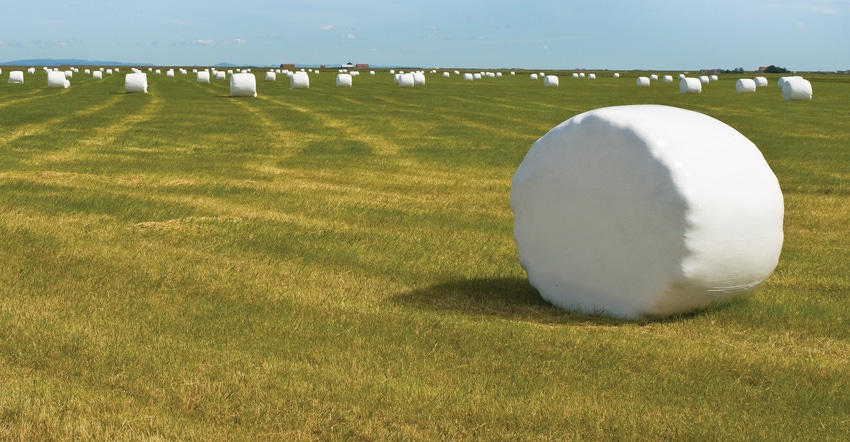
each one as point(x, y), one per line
point(327, 27)
point(350, 36)
point(211, 42)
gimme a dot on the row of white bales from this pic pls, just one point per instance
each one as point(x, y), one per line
point(243, 83)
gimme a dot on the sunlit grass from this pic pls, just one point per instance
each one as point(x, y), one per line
point(337, 263)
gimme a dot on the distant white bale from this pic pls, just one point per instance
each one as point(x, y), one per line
point(392, 71)
point(57, 79)
point(645, 211)
point(541, 74)
point(371, 72)
point(136, 82)
point(575, 75)
point(498, 75)
point(406, 80)
point(468, 77)
point(681, 76)
point(355, 73)
point(581, 74)
point(653, 77)
point(299, 80)
point(690, 85)
point(343, 80)
point(69, 74)
point(203, 77)
point(109, 72)
point(713, 77)
point(87, 71)
point(169, 73)
point(616, 75)
point(16, 77)
point(456, 72)
point(271, 76)
point(418, 78)
point(446, 75)
point(158, 72)
point(797, 89)
point(704, 79)
point(667, 79)
point(97, 75)
point(194, 71)
point(220, 75)
point(513, 73)
point(243, 84)
point(31, 70)
point(533, 76)
point(550, 81)
point(230, 72)
point(591, 76)
point(760, 81)
point(745, 85)
point(643, 82)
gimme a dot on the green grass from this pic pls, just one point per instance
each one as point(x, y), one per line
point(337, 264)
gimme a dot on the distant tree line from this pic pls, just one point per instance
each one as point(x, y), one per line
point(775, 70)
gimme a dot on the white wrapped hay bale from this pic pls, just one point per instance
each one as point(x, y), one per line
point(575, 75)
point(419, 78)
point(760, 81)
point(713, 77)
point(645, 211)
point(667, 79)
point(704, 79)
point(468, 77)
point(343, 80)
point(690, 85)
point(446, 75)
point(271, 76)
point(550, 81)
point(136, 82)
point(406, 80)
point(109, 72)
point(243, 84)
point(745, 85)
point(591, 76)
point(32, 70)
point(616, 75)
point(476, 76)
point(16, 77)
point(57, 79)
point(781, 82)
point(203, 77)
point(220, 75)
point(653, 77)
point(533, 76)
point(169, 73)
point(642, 82)
point(299, 80)
point(796, 89)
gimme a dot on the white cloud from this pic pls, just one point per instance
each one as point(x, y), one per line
point(206, 42)
point(350, 36)
point(327, 27)
point(239, 41)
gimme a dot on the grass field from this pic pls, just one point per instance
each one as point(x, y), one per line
point(337, 264)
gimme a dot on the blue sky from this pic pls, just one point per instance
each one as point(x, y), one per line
point(595, 34)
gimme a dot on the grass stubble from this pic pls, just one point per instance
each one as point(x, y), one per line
point(337, 263)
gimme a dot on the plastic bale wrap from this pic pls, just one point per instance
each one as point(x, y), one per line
point(406, 80)
point(533, 76)
point(616, 75)
point(446, 75)
point(713, 78)
point(468, 77)
point(781, 82)
point(203, 77)
point(419, 78)
point(690, 85)
point(704, 79)
point(653, 77)
point(591, 76)
point(136, 82)
point(57, 79)
point(667, 79)
point(796, 89)
point(645, 211)
point(575, 75)
point(642, 82)
point(16, 77)
point(243, 84)
point(169, 73)
point(299, 80)
point(343, 80)
point(550, 81)
point(745, 85)
point(760, 81)
point(220, 75)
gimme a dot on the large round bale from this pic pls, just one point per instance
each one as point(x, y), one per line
point(203, 76)
point(616, 75)
point(57, 79)
point(645, 211)
point(653, 77)
point(136, 82)
point(16, 77)
point(796, 89)
point(243, 84)
point(591, 76)
point(344, 80)
point(550, 81)
point(642, 82)
point(533, 76)
point(446, 75)
point(760, 81)
point(271, 76)
point(781, 82)
point(468, 77)
point(419, 78)
point(704, 79)
point(406, 80)
point(690, 85)
point(220, 75)
point(299, 80)
point(745, 85)
point(667, 79)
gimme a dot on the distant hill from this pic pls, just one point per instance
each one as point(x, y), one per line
point(68, 62)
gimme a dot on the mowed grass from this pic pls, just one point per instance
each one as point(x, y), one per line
point(337, 264)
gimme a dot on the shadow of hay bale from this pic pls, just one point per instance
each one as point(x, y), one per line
point(506, 298)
